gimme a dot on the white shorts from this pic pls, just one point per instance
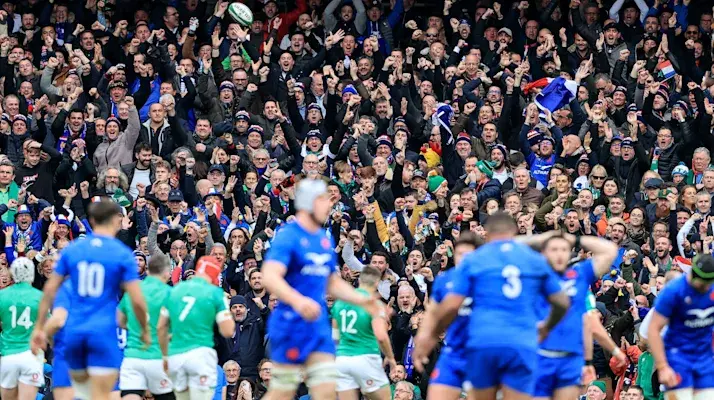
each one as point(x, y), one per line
point(195, 368)
point(24, 367)
point(363, 372)
point(140, 374)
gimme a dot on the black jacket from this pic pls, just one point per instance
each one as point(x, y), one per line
point(248, 344)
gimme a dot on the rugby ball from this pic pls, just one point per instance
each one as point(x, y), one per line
point(241, 13)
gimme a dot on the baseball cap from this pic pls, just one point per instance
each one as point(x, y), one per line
point(419, 174)
point(507, 31)
point(217, 167)
point(653, 183)
point(175, 195)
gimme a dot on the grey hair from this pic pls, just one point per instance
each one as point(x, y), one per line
point(261, 151)
point(123, 179)
point(229, 363)
point(703, 150)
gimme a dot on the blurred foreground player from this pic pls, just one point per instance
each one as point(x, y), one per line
point(100, 267)
point(299, 269)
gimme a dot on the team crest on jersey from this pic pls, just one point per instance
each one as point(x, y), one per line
point(434, 373)
point(35, 377)
point(370, 382)
point(711, 296)
point(325, 243)
point(687, 300)
point(571, 274)
point(164, 383)
point(292, 354)
point(203, 379)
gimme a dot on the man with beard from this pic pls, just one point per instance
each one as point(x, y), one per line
point(202, 142)
point(538, 148)
point(113, 182)
point(257, 297)
point(671, 153)
point(501, 168)
point(140, 172)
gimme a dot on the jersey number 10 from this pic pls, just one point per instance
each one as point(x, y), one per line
point(91, 279)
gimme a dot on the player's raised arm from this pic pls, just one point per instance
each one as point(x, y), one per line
point(604, 252)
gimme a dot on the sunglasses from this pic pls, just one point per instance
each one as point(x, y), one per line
point(600, 178)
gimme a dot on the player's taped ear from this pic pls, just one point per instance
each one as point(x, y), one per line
point(679, 394)
point(284, 379)
point(324, 372)
point(704, 394)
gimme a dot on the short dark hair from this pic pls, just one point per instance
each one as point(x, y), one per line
point(638, 388)
point(141, 146)
point(501, 223)
point(370, 275)
point(103, 211)
point(158, 264)
point(381, 254)
point(469, 238)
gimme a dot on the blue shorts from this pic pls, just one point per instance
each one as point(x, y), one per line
point(554, 373)
point(86, 350)
point(695, 372)
point(450, 370)
point(510, 366)
point(294, 346)
point(60, 372)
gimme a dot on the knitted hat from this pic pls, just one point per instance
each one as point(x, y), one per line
point(600, 385)
point(485, 167)
point(627, 142)
point(546, 138)
point(534, 137)
point(664, 94)
point(435, 182)
point(683, 105)
point(20, 117)
point(583, 159)
point(620, 89)
point(314, 106)
point(314, 133)
point(113, 120)
point(384, 140)
point(238, 299)
point(226, 85)
point(349, 89)
point(632, 108)
point(255, 128)
point(242, 115)
point(463, 136)
point(680, 169)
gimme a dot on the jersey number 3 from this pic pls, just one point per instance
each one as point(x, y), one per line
point(513, 287)
point(91, 279)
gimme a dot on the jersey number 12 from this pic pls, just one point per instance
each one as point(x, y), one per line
point(348, 326)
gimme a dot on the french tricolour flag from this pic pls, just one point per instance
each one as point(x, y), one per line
point(555, 94)
point(666, 69)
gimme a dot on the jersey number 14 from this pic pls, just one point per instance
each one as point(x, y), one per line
point(23, 319)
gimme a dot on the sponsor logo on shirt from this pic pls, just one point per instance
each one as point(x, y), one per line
point(318, 267)
point(703, 318)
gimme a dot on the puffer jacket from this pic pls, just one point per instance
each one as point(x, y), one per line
point(121, 150)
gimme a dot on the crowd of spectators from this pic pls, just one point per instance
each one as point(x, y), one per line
point(422, 119)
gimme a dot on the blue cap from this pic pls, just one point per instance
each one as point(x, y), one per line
point(349, 89)
point(217, 167)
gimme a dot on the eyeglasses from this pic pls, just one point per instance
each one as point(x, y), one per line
point(431, 35)
point(265, 369)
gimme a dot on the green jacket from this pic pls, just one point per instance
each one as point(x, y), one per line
point(10, 194)
point(645, 370)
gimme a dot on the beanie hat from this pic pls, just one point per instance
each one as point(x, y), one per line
point(114, 120)
point(502, 149)
point(546, 138)
point(384, 140)
point(664, 94)
point(314, 106)
point(683, 105)
point(349, 89)
point(463, 136)
point(600, 385)
point(238, 299)
point(226, 85)
point(534, 137)
point(20, 117)
point(485, 167)
point(306, 193)
point(435, 181)
point(242, 115)
point(139, 253)
point(632, 108)
point(680, 169)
